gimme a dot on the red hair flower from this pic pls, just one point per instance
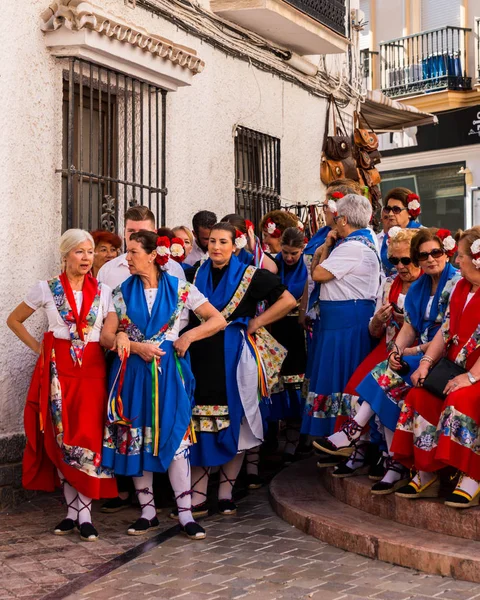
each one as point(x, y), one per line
point(177, 249)
point(240, 239)
point(413, 205)
point(272, 229)
point(336, 195)
point(448, 242)
point(249, 224)
point(163, 250)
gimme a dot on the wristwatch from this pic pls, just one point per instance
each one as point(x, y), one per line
point(471, 378)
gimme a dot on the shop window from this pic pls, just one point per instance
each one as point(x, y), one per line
point(441, 189)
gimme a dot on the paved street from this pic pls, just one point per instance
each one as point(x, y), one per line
point(255, 555)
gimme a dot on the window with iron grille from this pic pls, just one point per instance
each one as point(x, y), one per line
point(114, 129)
point(257, 173)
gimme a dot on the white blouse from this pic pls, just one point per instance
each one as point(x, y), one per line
point(40, 296)
point(356, 272)
point(194, 301)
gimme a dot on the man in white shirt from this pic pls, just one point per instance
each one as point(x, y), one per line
point(115, 272)
point(202, 223)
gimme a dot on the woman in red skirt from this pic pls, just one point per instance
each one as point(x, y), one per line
point(65, 410)
point(432, 433)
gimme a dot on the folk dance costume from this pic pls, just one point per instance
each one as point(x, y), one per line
point(346, 306)
point(432, 434)
point(66, 403)
point(150, 404)
point(227, 415)
point(286, 399)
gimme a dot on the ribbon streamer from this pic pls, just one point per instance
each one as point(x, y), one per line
point(115, 405)
point(262, 374)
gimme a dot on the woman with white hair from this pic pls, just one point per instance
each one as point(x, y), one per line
point(66, 403)
point(349, 271)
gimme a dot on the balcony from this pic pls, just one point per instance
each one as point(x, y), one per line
point(477, 49)
point(304, 26)
point(431, 61)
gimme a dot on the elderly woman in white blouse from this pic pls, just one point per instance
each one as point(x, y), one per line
point(348, 270)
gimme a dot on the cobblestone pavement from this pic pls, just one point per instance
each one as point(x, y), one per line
point(254, 555)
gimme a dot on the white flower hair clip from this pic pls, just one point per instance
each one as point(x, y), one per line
point(475, 250)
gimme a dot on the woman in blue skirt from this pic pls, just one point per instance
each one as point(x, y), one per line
point(349, 272)
point(385, 387)
point(150, 404)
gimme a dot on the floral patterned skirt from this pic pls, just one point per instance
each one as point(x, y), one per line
point(432, 433)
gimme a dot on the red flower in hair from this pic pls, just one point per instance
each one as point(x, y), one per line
point(272, 229)
point(337, 195)
point(448, 242)
point(177, 249)
point(163, 250)
point(248, 224)
point(413, 205)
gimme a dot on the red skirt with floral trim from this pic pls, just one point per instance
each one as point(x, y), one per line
point(65, 415)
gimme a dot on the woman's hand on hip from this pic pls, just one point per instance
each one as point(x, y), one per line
point(182, 344)
point(253, 325)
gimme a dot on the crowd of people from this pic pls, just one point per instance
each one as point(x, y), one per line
point(184, 353)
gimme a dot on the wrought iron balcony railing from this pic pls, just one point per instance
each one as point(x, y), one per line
point(331, 13)
point(477, 55)
point(425, 62)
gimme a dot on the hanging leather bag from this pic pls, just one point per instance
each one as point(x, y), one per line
point(363, 138)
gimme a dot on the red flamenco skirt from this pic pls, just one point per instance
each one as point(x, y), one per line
point(376, 356)
point(415, 441)
point(64, 418)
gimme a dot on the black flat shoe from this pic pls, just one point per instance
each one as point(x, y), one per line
point(325, 445)
point(343, 470)
point(462, 499)
point(253, 482)
point(200, 510)
point(194, 531)
point(326, 460)
point(377, 470)
point(141, 526)
point(227, 507)
point(116, 504)
point(65, 527)
point(382, 488)
point(88, 533)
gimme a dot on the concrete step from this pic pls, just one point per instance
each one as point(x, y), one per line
point(430, 514)
point(299, 496)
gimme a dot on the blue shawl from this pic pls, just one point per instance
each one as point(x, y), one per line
point(390, 270)
point(245, 257)
point(317, 240)
point(417, 299)
point(221, 295)
point(163, 307)
point(295, 278)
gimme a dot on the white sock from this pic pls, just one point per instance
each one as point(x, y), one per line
point(199, 484)
point(228, 475)
point(71, 498)
point(392, 476)
point(180, 477)
point(467, 484)
point(144, 490)
point(252, 458)
point(357, 458)
point(340, 439)
point(84, 509)
point(422, 478)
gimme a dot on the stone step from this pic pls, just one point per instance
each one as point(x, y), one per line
point(430, 514)
point(299, 497)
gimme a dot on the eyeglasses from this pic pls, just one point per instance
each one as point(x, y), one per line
point(335, 219)
point(395, 209)
point(405, 260)
point(435, 253)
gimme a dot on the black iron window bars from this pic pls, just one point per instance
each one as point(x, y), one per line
point(113, 148)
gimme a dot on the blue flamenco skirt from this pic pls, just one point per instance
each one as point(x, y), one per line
point(129, 450)
point(343, 341)
point(287, 404)
point(384, 398)
point(311, 346)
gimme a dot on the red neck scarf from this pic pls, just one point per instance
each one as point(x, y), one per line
point(395, 289)
point(90, 287)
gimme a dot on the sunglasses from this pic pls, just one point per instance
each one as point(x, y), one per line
point(405, 260)
point(435, 253)
point(395, 209)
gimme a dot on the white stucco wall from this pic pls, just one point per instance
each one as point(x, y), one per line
point(200, 160)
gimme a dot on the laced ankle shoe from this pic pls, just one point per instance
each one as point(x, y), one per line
point(88, 533)
point(142, 526)
point(194, 531)
point(377, 470)
point(345, 470)
point(460, 498)
point(65, 527)
point(351, 429)
point(227, 507)
point(254, 481)
point(383, 488)
point(116, 504)
point(415, 490)
point(199, 510)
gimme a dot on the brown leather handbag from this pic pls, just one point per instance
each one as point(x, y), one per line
point(339, 145)
point(371, 176)
point(330, 170)
point(363, 138)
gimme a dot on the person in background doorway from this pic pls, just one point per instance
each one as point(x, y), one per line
point(107, 247)
point(185, 234)
point(202, 223)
